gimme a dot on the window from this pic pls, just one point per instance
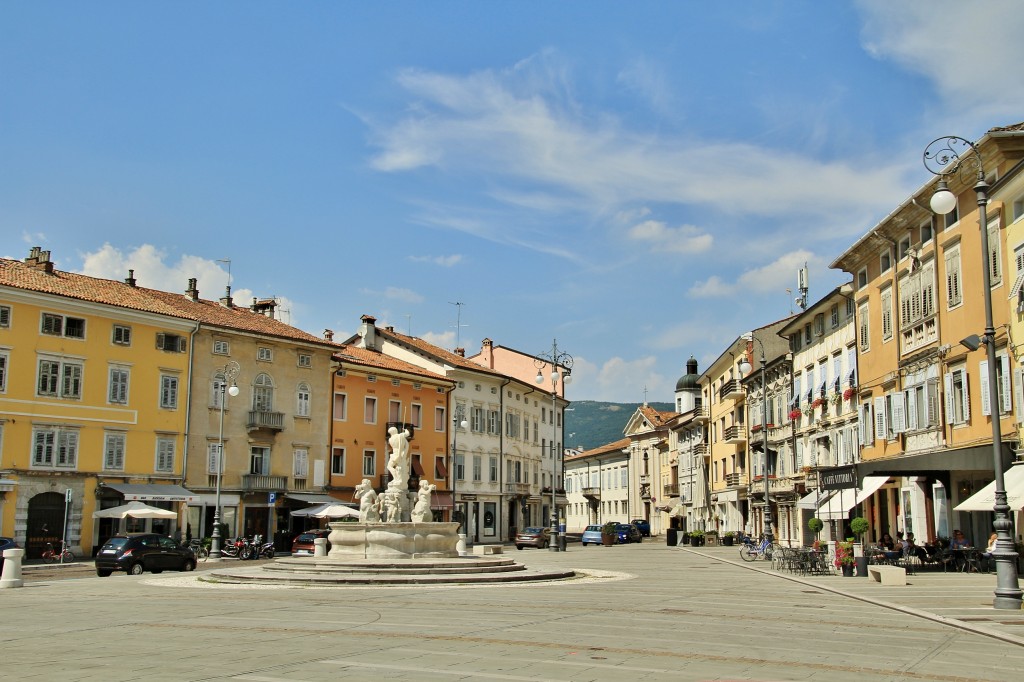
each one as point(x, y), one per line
point(927, 234)
point(958, 406)
point(172, 343)
point(460, 467)
point(371, 378)
point(212, 458)
point(1002, 386)
point(851, 366)
point(338, 461)
point(59, 325)
point(903, 249)
point(416, 415)
point(164, 454)
point(862, 278)
point(220, 347)
point(168, 392)
point(953, 217)
point(833, 315)
point(953, 283)
point(122, 335)
point(264, 354)
point(995, 252)
point(807, 334)
point(884, 261)
point(394, 410)
point(476, 419)
point(921, 396)
point(300, 463)
point(863, 333)
point(263, 393)
point(54, 447)
point(887, 314)
point(478, 465)
point(340, 406)
point(370, 410)
point(4, 359)
point(819, 324)
point(302, 401)
point(305, 360)
point(259, 460)
point(369, 463)
point(493, 422)
point(5, 316)
point(113, 451)
point(118, 393)
point(493, 475)
point(439, 419)
point(60, 379)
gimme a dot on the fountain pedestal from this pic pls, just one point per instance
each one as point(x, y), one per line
point(406, 540)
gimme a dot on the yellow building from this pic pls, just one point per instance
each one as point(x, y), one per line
point(93, 397)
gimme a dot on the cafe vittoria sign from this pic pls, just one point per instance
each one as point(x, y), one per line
point(837, 478)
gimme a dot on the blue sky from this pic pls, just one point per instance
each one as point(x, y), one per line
point(640, 180)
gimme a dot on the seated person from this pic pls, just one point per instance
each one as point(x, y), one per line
point(958, 541)
point(887, 542)
point(986, 556)
point(911, 549)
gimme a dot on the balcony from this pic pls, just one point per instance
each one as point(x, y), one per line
point(520, 489)
point(701, 449)
point(701, 414)
point(785, 485)
point(731, 390)
point(259, 419)
point(592, 493)
point(671, 490)
point(735, 434)
point(254, 483)
point(734, 479)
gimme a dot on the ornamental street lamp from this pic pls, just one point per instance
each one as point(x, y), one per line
point(745, 368)
point(944, 157)
point(227, 375)
point(557, 360)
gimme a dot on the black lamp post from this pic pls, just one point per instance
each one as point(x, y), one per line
point(557, 360)
point(227, 373)
point(944, 157)
point(745, 368)
point(457, 422)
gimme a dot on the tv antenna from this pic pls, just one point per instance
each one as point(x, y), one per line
point(458, 322)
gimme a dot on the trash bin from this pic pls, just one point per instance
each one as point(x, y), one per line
point(862, 566)
point(561, 542)
point(671, 537)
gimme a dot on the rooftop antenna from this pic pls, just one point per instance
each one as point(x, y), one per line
point(802, 288)
point(408, 324)
point(645, 394)
point(789, 297)
point(228, 261)
point(458, 322)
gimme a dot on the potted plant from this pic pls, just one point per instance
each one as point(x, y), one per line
point(849, 393)
point(686, 538)
point(696, 538)
point(859, 526)
point(844, 558)
point(729, 538)
point(609, 533)
point(795, 414)
point(815, 525)
point(711, 537)
point(817, 402)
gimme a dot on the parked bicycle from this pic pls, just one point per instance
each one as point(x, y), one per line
point(197, 546)
point(50, 554)
point(752, 552)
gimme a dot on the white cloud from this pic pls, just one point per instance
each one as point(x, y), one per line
point(606, 382)
point(443, 261)
point(440, 339)
point(778, 275)
point(395, 294)
point(682, 239)
point(153, 270)
point(968, 49)
point(33, 238)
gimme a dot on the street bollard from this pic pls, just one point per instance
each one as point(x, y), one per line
point(320, 547)
point(11, 576)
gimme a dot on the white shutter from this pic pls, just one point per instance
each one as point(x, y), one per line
point(947, 380)
point(1004, 384)
point(1018, 393)
point(212, 458)
point(318, 472)
point(986, 407)
point(899, 414)
point(880, 430)
point(967, 395)
point(911, 398)
point(300, 464)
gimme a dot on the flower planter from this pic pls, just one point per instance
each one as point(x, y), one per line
point(607, 540)
point(727, 541)
point(686, 538)
point(847, 570)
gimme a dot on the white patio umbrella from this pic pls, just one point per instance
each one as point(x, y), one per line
point(337, 511)
point(137, 510)
point(311, 511)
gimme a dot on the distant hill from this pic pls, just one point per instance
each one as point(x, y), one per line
point(596, 423)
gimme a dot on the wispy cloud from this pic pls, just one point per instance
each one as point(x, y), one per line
point(605, 382)
point(394, 294)
point(443, 261)
point(33, 238)
point(775, 276)
point(661, 237)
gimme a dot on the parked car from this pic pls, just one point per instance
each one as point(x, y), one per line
point(627, 533)
point(303, 545)
point(144, 552)
point(643, 526)
point(591, 536)
point(533, 536)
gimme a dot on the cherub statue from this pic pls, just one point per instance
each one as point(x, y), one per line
point(421, 510)
point(369, 506)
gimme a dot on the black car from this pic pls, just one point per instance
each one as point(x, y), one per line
point(145, 552)
point(627, 532)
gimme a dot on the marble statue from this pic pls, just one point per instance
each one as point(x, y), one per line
point(391, 505)
point(369, 505)
point(421, 510)
point(399, 462)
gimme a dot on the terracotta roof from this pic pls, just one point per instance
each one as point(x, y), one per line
point(657, 417)
point(1015, 128)
point(369, 358)
point(601, 450)
point(20, 275)
point(445, 356)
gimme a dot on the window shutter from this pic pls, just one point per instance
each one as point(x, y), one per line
point(862, 430)
point(986, 406)
point(948, 385)
point(1018, 393)
point(318, 472)
point(933, 402)
point(899, 414)
point(967, 396)
point(911, 412)
point(213, 458)
point(880, 430)
point(1004, 381)
point(301, 463)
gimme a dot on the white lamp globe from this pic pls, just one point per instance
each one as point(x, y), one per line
point(943, 201)
point(745, 367)
point(233, 391)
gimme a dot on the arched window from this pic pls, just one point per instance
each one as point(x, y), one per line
point(216, 389)
point(302, 401)
point(263, 394)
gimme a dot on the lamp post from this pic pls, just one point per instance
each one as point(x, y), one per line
point(458, 421)
point(564, 361)
point(227, 373)
point(944, 157)
point(745, 368)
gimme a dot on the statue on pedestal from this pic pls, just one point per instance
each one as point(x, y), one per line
point(399, 462)
point(369, 506)
point(421, 510)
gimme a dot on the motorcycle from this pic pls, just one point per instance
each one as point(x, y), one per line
point(232, 547)
point(255, 548)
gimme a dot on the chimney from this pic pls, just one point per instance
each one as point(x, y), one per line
point(226, 299)
point(368, 333)
point(487, 354)
point(130, 279)
point(389, 329)
point(39, 259)
point(192, 292)
point(265, 307)
point(460, 351)
point(328, 335)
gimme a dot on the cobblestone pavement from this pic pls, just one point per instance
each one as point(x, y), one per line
point(662, 613)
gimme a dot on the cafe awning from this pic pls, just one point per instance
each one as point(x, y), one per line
point(838, 506)
point(869, 486)
point(984, 499)
point(153, 492)
point(314, 498)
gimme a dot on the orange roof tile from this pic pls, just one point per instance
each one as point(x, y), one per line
point(369, 358)
point(441, 354)
point(602, 449)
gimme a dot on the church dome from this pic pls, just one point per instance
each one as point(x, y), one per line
point(688, 382)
